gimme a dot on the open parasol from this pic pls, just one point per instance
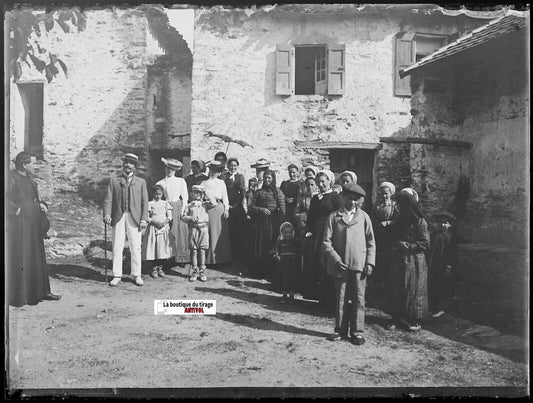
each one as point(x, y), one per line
point(229, 140)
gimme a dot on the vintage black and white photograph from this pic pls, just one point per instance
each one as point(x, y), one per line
point(284, 200)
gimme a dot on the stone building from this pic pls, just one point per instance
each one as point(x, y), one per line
point(314, 84)
point(471, 104)
point(305, 84)
point(123, 93)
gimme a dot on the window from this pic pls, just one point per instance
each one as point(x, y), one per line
point(410, 48)
point(310, 69)
point(32, 96)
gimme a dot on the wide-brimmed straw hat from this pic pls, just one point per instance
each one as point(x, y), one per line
point(131, 157)
point(172, 163)
point(198, 188)
point(214, 164)
point(446, 214)
point(261, 163)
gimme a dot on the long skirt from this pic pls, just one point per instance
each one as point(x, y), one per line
point(409, 274)
point(157, 244)
point(27, 274)
point(290, 215)
point(317, 284)
point(180, 232)
point(263, 242)
point(219, 251)
point(237, 222)
point(285, 276)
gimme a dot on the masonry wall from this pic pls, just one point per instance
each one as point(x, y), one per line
point(483, 98)
point(234, 85)
point(497, 123)
point(168, 114)
point(104, 107)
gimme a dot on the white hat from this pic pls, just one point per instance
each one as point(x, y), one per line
point(260, 163)
point(130, 157)
point(389, 186)
point(172, 163)
point(198, 188)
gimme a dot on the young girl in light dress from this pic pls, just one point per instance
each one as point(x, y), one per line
point(158, 244)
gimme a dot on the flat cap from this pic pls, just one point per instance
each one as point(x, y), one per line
point(353, 188)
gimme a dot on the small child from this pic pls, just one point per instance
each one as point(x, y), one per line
point(252, 187)
point(350, 253)
point(442, 261)
point(336, 188)
point(287, 254)
point(157, 244)
point(196, 215)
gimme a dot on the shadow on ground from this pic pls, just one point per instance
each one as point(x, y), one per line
point(63, 271)
point(266, 324)
point(508, 346)
point(270, 302)
point(245, 289)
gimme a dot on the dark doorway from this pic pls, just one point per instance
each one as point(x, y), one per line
point(310, 70)
point(156, 170)
point(359, 161)
point(31, 95)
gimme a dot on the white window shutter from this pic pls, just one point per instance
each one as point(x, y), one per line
point(284, 69)
point(336, 69)
point(405, 57)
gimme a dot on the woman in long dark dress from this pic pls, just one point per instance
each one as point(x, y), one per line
point(317, 284)
point(27, 273)
point(409, 271)
point(238, 208)
point(291, 188)
point(302, 206)
point(198, 175)
point(267, 209)
point(383, 214)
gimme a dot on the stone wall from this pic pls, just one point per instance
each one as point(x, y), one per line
point(105, 106)
point(485, 102)
point(234, 85)
point(482, 98)
point(168, 112)
point(92, 116)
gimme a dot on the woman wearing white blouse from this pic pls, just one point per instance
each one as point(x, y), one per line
point(175, 192)
point(219, 251)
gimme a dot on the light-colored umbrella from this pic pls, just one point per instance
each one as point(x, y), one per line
point(229, 140)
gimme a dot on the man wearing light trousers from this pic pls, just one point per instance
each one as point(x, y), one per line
point(126, 209)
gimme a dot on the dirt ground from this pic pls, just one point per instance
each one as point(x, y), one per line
point(102, 337)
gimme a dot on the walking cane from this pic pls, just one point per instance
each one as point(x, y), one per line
point(105, 250)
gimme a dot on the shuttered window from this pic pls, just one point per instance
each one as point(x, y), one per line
point(405, 57)
point(410, 48)
point(310, 69)
point(284, 70)
point(336, 65)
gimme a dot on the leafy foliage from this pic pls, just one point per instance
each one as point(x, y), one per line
point(24, 24)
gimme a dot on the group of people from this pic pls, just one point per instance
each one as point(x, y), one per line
point(309, 235)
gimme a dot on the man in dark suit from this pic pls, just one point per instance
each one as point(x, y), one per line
point(126, 209)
